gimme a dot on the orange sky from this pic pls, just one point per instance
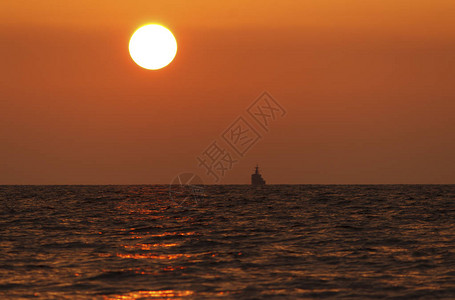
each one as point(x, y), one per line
point(367, 85)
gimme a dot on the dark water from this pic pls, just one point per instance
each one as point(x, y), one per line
point(279, 242)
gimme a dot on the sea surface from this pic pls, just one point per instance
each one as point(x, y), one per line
point(231, 242)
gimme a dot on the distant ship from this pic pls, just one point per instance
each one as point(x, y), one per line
point(256, 178)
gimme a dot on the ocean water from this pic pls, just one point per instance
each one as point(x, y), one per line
point(238, 242)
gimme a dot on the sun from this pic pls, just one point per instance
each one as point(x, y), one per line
point(153, 46)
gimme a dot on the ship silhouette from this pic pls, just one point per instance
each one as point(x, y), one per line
point(256, 178)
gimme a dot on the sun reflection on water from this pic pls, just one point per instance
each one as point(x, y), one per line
point(152, 256)
point(164, 294)
point(172, 233)
point(149, 246)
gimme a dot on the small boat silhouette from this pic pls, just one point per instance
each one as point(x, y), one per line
point(256, 178)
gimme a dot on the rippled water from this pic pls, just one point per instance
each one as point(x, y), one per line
point(279, 242)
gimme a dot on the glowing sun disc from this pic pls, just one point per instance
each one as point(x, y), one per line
point(153, 46)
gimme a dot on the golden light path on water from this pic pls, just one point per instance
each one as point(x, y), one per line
point(155, 294)
point(163, 294)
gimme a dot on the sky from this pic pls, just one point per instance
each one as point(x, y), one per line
point(366, 86)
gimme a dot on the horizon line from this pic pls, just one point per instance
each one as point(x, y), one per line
point(247, 184)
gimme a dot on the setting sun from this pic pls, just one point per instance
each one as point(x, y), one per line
point(153, 46)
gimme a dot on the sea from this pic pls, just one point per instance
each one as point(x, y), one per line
point(228, 242)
